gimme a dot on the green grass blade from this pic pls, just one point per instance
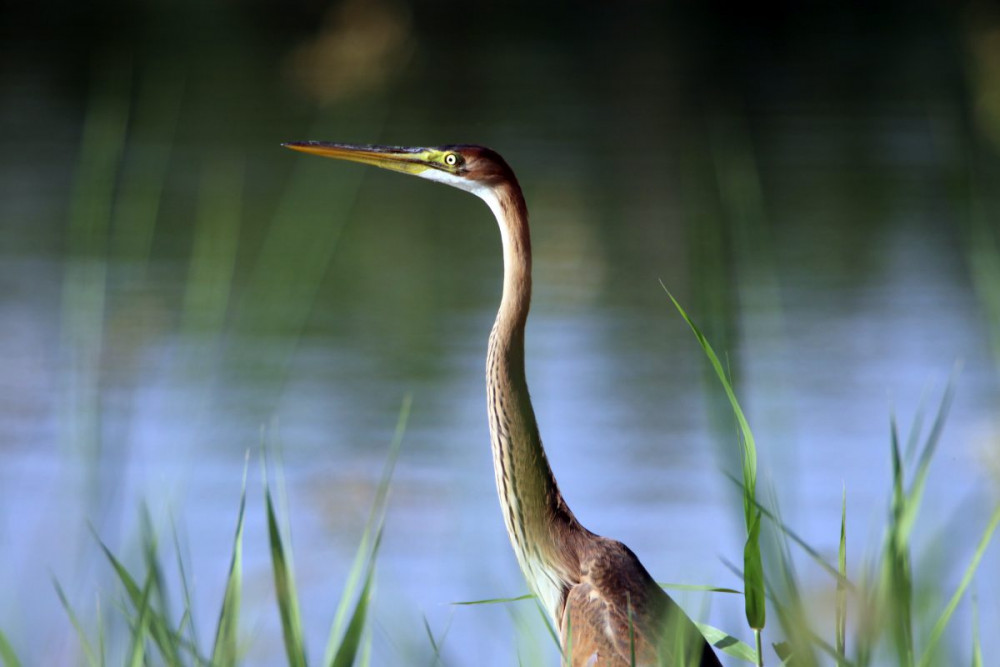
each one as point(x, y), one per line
point(753, 562)
point(916, 428)
point(146, 622)
point(841, 594)
point(753, 576)
point(140, 629)
point(348, 649)
point(788, 604)
point(898, 484)
point(790, 533)
point(7, 653)
point(791, 618)
point(970, 571)
point(88, 651)
point(696, 587)
point(187, 623)
point(101, 648)
point(365, 659)
point(897, 584)
point(525, 628)
point(526, 596)
point(749, 448)
point(436, 643)
point(284, 589)
point(548, 625)
point(364, 557)
point(225, 649)
point(347, 596)
point(161, 633)
point(133, 589)
point(977, 649)
point(784, 652)
point(430, 637)
point(726, 643)
point(915, 495)
point(157, 591)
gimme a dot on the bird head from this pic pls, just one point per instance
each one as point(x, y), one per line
point(476, 169)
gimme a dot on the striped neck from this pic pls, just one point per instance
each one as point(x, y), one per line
point(538, 522)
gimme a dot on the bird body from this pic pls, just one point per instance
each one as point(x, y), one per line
point(608, 609)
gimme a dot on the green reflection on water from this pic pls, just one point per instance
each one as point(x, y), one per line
point(778, 179)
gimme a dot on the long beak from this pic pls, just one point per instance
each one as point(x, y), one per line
point(395, 158)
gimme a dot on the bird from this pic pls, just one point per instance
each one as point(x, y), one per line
point(608, 608)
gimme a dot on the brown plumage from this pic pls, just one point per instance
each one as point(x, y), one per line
point(608, 609)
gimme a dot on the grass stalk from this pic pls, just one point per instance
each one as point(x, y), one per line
point(186, 624)
point(977, 649)
point(753, 568)
point(140, 628)
point(166, 640)
point(225, 649)
point(841, 594)
point(284, 588)
point(935, 635)
point(364, 559)
point(349, 646)
point(7, 653)
point(88, 651)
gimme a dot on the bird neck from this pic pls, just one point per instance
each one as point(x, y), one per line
point(540, 525)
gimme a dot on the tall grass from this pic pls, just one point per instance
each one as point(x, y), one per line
point(160, 635)
point(882, 594)
point(753, 566)
point(885, 594)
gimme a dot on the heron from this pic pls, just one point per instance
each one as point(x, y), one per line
point(608, 608)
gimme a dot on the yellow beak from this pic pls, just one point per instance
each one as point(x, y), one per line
point(395, 158)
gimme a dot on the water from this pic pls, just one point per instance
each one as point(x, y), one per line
point(260, 295)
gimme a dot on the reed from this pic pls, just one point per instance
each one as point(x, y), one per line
point(159, 635)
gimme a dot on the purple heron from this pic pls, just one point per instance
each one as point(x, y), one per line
point(608, 609)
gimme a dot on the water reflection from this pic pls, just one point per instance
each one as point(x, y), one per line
point(231, 289)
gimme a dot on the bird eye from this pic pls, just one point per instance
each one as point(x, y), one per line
point(451, 159)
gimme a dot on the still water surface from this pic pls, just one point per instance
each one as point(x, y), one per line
point(297, 302)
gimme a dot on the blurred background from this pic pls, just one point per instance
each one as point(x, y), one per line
point(817, 186)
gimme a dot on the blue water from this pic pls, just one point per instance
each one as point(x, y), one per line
point(814, 233)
